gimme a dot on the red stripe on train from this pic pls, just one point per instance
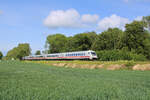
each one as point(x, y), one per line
point(60, 57)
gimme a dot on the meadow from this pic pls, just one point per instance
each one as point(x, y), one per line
point(33, 81)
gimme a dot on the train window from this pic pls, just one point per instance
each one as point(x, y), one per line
point(49, 56)
point(93, 53)
point(82, 54)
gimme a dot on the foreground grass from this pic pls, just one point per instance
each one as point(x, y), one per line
point(31, 81)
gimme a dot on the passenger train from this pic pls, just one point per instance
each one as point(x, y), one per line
point(78, 55)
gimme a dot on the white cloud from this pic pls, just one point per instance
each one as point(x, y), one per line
point(69, 19)
point(138, 18)
point(91, 19)
point(112, 22)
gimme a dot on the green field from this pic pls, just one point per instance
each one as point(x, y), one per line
point(31, 81)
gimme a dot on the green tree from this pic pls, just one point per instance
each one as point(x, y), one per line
point(38, 52)
point(20, 51)
point(136, 39)
point(108, 40)
point(146, 21)
point(57, 43)
point(82, 41)
point(1, 55)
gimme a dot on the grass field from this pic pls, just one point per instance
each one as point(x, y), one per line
point(31, 81)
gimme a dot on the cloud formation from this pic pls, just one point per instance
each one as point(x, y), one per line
point(112, 22)
point(91, 19)
point(69, 19)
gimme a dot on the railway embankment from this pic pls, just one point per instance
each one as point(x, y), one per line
point(109, 65)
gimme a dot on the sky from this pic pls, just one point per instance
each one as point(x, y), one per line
point(31, 21)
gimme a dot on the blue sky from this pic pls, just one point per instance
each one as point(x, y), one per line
point(31, 21)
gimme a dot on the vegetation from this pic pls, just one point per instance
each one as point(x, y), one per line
point(18, 52)
point(28, 81)
point(105, 63)
point(38, 52)
point(113, 55)
point(134, 41)
point(1, 55)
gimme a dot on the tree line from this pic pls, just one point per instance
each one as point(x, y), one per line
point(113, 44)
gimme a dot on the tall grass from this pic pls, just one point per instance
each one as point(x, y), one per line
point(31, 81)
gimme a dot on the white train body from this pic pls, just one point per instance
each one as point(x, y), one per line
point(64, 56)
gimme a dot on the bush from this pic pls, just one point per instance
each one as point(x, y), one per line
point(114, 55)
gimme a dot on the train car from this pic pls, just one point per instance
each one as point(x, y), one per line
point(78, 55)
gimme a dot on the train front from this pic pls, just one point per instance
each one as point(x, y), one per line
point(93, 55)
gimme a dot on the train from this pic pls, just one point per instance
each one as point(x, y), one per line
point(77, 55)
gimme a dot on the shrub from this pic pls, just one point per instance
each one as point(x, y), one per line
point(114, 55)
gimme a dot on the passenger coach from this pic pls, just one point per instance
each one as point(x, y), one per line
point(64, 56)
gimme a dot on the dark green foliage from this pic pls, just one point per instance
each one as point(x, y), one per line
point(146, 21)
point(1, 55)
point(136, 39)
point(18, 52)
point(114, 55)
point(79, 42)
point(27, 81)
point(57, 43)
point(38, 52)
point(108, 40)
point(83, 41)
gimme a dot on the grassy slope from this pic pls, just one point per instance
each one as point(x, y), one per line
point(94, 62)
point(29, 81)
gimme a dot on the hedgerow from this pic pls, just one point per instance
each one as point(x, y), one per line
point(114, 55)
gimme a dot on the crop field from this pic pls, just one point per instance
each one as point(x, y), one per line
point(33, 81)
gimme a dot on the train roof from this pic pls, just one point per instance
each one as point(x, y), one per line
point(62, 53)
point(74, 52)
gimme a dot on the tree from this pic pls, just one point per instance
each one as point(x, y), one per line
point(57, 43)
point(20, 51)
point(146, 21)
point(108, 40)
point(1, 55)
point(38, 52)
point(136, 39)
point(82, 41)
